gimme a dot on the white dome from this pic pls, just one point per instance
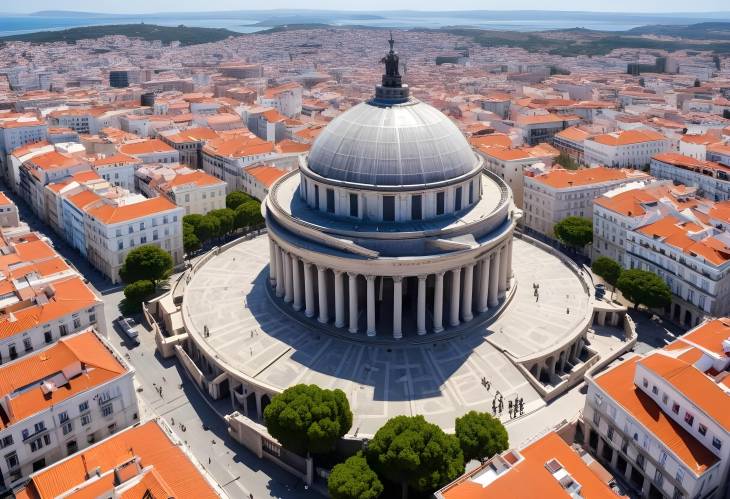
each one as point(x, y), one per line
point(403, 144)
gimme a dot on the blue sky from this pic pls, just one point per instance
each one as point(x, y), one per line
point(142, 6)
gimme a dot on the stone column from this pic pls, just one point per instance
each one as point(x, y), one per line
point(397, 307)
point(509, 263)
point(297, 280)
point(272, 262)
point(371, 305)
point(466, 294)
point(455, 289)
point(502, 271)
point(352, 290)
point(339, 300)
point(493, 279)
point(279, 273)
point(322, 287)
point(484, 286)
point(438, 303)
point(308, 290)
point(288, 285)
point(421, 309)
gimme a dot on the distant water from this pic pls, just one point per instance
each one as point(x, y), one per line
point(517, 21)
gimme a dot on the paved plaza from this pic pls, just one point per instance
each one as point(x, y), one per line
point(440, 379)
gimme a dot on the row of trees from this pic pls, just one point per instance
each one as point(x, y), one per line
point(241, 211)
point(641, 287)
point(407, 451)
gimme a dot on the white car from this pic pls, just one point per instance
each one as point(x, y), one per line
point(127, 325)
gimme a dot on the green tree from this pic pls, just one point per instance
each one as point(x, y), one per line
point(574, 231)
point(248, 214)
point(208, 228)
point(480, 435)
point(138, 291)
point(193, 220)
point(191, 242)
point(354, 479)
point(607, 268)
point(567, 162)
point(415, 453)
point(226, 218)
point(236, 199)
point(645, 288)
point(308, 419)
point(146, 262)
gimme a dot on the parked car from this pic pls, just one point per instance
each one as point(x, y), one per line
point(127, 325)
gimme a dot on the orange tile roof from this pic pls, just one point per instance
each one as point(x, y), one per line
point(628, 137)
point(265, 174)
point(33, 146)
point(546, 118)
point(676, 233)
point(492, 139)
point(145, 147)
point(83, 199)
point(197, 177)
point(574, 134)
point(529, 478)
point(4, 199)
point(70, 295)
point(85, 347)
point(148, 442)
point(618, 383)
point(289, 146)
point(238, 145)
point(562, 179)
point(677, 159)
point(198, 134)
point(274, 91)
point(114, 159)
point(111, 214)
point(54, 159)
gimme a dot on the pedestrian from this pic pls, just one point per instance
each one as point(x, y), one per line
point(489, 385)
point(567, 310)
point(208, 459)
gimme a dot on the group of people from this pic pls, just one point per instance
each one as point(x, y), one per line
point(514, 408)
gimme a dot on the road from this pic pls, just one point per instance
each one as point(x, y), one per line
point(238, 471)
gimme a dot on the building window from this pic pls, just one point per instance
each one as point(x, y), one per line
point(702, 429)
point(67, 428)
point(316, 196)
point(675, 408)
point(84, 406)
point(610, 433)
point(457, 200)
point(77, 323)
point(47, 336)
point(655, 390)
point(389, 208)
point(440, 203)
point(63, 331)
point(716, 443)
point(6, 441)
point(107, 410)
point(353, 205)
point(120, 245)
point(12, 459)
point(416, 208)
point(27, 345)
point(640, 461)
point(63, 417)
point(330, 201)
point(662, 458)
point(645, 383)
point(658, 477)
point(86, 419)
point(471, 192)
point(665, 398)
point(689, 418)
point(596, 418)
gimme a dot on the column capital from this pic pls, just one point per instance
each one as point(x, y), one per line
point(370, 277)
point(322, 268)
point(308, 265)
point(470, 265)
point(440, 274)
point(397, 278)
point(338, 272)
point(353, 275)
point(455, 271)
point(422, 277)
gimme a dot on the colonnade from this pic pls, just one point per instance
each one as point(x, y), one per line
point(467, 290)
point(559, 362)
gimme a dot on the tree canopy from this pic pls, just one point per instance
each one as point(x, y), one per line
point(208, 228)
point(645, 288)
point(146, 262)
point(354, 479)
point(607, 268)
point(191, 242)
point(574, 231)
point(236, 199)
point(193, 220)
point(138, 291)
point(480, 435)
point(248, 214)
point(307, 418)
point(226, 218)
point(415, 453)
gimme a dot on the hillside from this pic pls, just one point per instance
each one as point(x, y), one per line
point(166, 34)
point(713, 37)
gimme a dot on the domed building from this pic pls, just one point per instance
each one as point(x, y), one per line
point(391, 227)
